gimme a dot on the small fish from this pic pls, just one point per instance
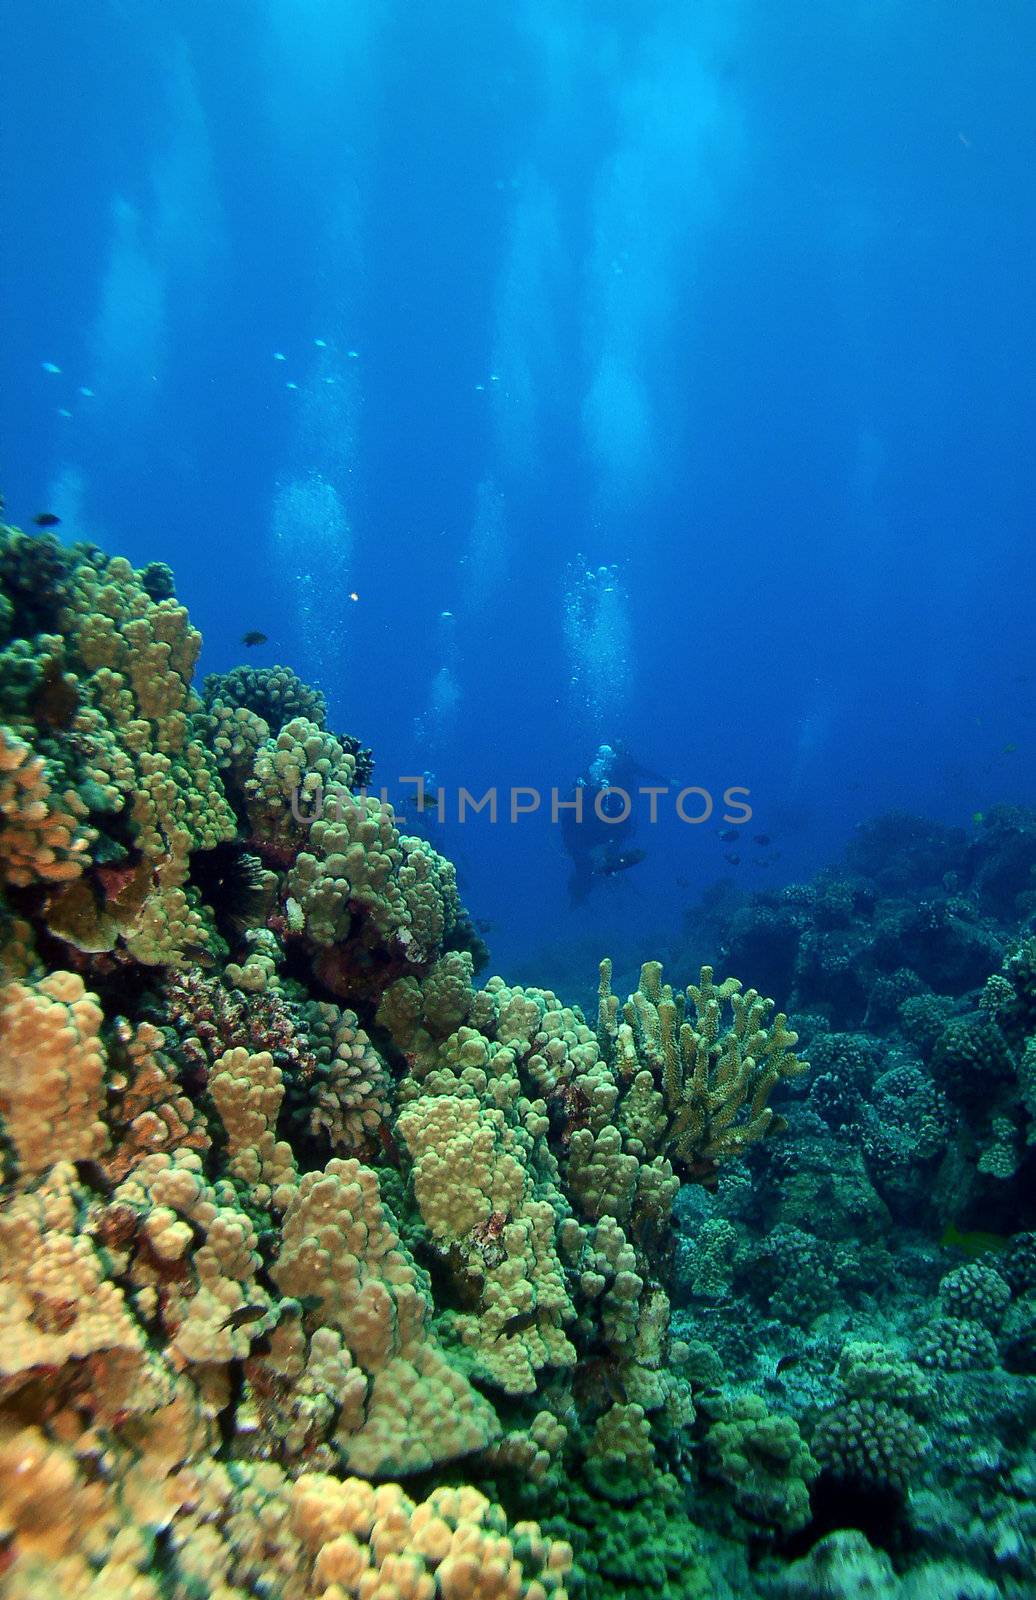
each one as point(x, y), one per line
point(64, 412)
point(785, 1362)
point(978, 818)
point(291, 385)
point(243, 1316)
point(200, 955)
point(354, 355)
point(321, 344)
point(519, 1322)
point(762, 839)
point(87, 394)
point(735, 861)
point(727, 834)
point(278, 355)
point(1009, 749)
point(253, 636)
point(353, 595)
point(46, 519)
point(49, 366)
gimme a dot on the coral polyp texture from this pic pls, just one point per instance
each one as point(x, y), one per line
point(326, 1272)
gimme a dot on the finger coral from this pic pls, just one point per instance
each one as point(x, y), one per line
point(699, 1088)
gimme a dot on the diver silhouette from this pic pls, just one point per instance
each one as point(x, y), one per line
point(598, 839)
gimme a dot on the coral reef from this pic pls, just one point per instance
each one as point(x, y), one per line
point(326, 1272)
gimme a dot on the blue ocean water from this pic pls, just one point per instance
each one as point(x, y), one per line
point(549, 374)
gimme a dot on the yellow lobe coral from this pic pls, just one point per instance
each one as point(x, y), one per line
point(52, 1065)
point(148, 1111)
point(248, 1091)
point(338, 1244)
point(59, 1311)
point(476, 1196)
point(134, 749)
point(456, 1545)
point(198, 1250)
point(42, 836)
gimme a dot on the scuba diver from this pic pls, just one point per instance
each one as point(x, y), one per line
point(599, 847)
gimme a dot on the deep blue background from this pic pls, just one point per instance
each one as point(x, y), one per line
point(735, 296)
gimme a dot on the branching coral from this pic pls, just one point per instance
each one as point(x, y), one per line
point(707, 1096)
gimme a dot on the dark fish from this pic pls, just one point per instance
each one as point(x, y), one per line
point(243, 1316)
point(620, 863)
point(199, 955)
point(94, 1176)
point(787, 1361)
point(253, 636)
point(727, 834)
point(46, 519)
point(761, 838)
point(519, 1322)
point(735, 861)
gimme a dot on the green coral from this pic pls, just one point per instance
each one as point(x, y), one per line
point(276, 694)
point(699, 1085)
point(764, 1462)
point(98, 683)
